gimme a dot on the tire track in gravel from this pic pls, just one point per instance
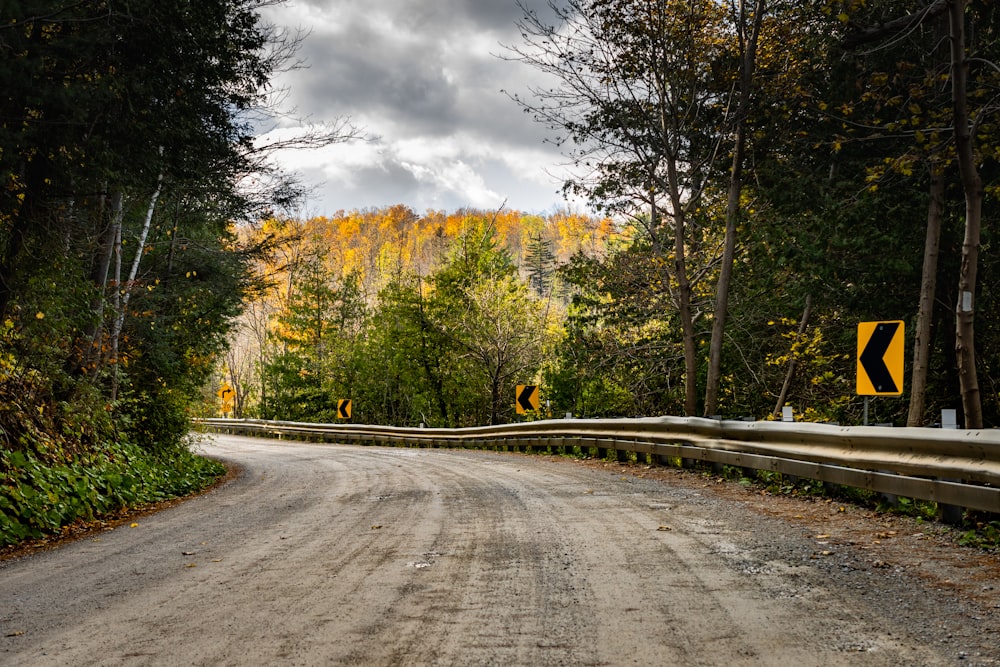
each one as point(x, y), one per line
point(341, 555)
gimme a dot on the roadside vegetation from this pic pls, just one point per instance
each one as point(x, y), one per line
point(126, 162)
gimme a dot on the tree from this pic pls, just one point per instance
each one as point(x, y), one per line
point(123, 160)
point(747, 23)
point(503, 333)
point(539, 261)
point(643, 109)
point(972, 186)
point(968, 147)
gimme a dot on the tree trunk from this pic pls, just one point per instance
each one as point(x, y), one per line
point(793, 362)
point(973, 187)
point(748, 44)
point(126, 289)
point(928, 291)
point(94, 336)
point(683, 293)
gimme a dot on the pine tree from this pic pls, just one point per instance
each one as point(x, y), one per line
point(539, 263)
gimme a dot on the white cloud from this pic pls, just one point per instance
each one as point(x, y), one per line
point(424, 78)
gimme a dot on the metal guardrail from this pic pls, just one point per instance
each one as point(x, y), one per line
point(952, 467)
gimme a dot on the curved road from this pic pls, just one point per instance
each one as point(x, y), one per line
point(336, 555)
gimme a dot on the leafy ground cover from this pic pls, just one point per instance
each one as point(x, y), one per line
point(40, 499)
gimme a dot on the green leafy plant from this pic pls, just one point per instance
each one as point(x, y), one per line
point(38, 498)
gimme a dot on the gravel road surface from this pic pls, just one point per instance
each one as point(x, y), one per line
point(341, 555)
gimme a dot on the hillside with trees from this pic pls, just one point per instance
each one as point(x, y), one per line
point(428, 318)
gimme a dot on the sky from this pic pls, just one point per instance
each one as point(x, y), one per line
point(424, 81)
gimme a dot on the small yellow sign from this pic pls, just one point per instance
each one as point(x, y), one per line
point(880, 358)
point(227, 395)
point(344, 408)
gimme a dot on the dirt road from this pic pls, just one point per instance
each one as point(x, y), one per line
point(331, 555)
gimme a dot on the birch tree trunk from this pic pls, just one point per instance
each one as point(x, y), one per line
point(125, 290)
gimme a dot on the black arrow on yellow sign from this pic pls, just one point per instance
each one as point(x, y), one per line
point(344, 408)
point(880, 358)
point(527, 398)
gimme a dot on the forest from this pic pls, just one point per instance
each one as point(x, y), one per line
point(761, 175)
point(767, 175)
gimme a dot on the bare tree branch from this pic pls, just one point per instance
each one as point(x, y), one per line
point(862, 35)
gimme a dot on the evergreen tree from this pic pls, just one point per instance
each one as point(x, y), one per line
point(540, 263)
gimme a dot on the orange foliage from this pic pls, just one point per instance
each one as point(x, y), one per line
point(380, 244)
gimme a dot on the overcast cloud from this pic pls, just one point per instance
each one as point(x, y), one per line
point(423, 78)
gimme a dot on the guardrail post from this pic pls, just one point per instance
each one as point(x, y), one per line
point(621, 454)
point(951, 514)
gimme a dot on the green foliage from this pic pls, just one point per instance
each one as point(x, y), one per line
point(540, 261)
point(981, 530)
point(39, 498)
point(620, 355)
point(121, 158)
point(922, 510)
point(446, 349)
point(319, 332)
